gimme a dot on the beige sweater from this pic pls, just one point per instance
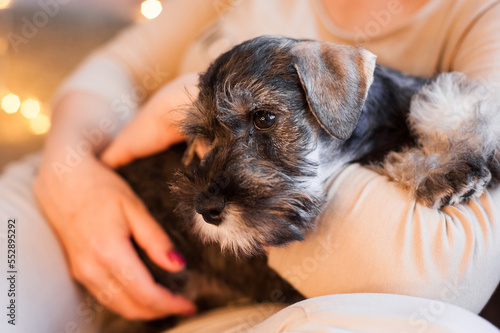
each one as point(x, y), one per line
point(372, 237)
point(445, 35)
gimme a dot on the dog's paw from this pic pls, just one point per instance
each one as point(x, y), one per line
point(453, 183)
point(438, 179)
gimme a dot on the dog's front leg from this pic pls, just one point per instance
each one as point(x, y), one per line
point(457, 127)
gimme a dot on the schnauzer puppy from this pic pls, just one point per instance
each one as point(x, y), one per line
point(211, 279)
point(282, 116)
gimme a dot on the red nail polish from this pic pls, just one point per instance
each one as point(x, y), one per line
point(176, 257)
point(187, 313)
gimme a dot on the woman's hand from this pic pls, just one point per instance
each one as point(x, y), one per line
point(95, 213)
point(155, 128)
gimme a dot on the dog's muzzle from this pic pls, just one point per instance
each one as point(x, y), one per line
point(210, 207)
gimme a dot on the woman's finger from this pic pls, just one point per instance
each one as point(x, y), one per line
point(111, 293)
point(155, 128)
point(138, 283)
point(144, 136)
point(152, 238)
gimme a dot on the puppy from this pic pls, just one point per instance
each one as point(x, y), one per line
point(282, 116)
point(211, 279)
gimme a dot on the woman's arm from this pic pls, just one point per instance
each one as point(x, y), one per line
point(92, 210)
point(373, 238)
point(477, 51)
point(94, 214)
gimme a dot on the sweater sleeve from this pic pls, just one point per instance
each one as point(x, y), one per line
point(143, 57)
point(372, 237)
point(477, 52)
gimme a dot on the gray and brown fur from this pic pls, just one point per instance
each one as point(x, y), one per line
point(438, 138)
point(211, 279)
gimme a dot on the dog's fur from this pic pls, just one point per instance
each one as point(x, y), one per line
point(211, 279)
point(438, 138)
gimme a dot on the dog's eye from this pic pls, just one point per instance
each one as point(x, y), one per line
point(264, 120)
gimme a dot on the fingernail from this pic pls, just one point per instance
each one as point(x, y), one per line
point(176, 257)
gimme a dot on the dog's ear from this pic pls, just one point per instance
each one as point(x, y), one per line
point(336, 79)
point(196, 148)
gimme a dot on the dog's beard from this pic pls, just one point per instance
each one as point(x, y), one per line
point(264, 206)
point(232, 235)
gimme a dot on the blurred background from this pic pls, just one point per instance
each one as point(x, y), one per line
point(41, 42)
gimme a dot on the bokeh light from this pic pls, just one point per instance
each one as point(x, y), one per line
point(40, 124)
point(30, 108)
point(150, 8)
point(4, 4)
point(11, 103)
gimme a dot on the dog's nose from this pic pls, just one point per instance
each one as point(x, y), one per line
point(211, 208)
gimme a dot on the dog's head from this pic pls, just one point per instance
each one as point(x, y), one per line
point(266, 108)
